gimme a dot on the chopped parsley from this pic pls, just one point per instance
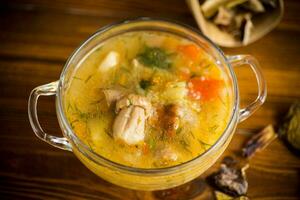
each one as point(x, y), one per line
point(145, 84)
point(154, 57)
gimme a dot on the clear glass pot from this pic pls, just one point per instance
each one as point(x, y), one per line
point(136, 178)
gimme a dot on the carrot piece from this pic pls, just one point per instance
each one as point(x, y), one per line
point(189, 50)
point(184, 75)
point(145, 148)
point(204, 89)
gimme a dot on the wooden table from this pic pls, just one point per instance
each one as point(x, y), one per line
point(36, 38)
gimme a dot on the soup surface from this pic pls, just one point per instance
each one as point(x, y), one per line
point(148, 99)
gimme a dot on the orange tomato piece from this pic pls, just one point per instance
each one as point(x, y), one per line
point(145, 148)
point(184, 76)
point(191, 51)
point(204, 89)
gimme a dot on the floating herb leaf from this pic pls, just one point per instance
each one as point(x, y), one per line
point(205, 145)
point(152, 143)
point(77, 78)
point(213, 129)
point(179, 130)
point(184, 143)
point(97, 101)
point(108, 133)
point(145, 84)
point(88, 78)
point(73, 122)
point(154, 57)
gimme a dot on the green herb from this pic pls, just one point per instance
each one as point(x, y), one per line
point(222, 101)
point(154, 57)
point(97, 102)
point(99, 48)
point(193, 75)
point(215, 116)
point(125, 69)
point(73, 122)
point(82, 115)
point(88, 78)
point(145, 84)
point(191, 133)
point(213, 128)
point(69, 106)
point(205, 145)
point(108, 132)
point(184, 143)
point(88, 143)
point(130, 101)
point(179, 130)
point(152, 143)
point(77, 78)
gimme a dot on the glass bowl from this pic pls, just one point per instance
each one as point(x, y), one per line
point(137, 178)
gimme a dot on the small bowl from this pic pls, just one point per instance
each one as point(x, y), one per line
point(262, 25)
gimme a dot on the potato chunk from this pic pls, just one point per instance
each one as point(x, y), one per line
point(110, 61)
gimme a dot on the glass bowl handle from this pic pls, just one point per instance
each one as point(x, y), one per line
point(44, 90)
point(239, 60)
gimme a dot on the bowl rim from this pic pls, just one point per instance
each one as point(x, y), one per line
point(101, 160)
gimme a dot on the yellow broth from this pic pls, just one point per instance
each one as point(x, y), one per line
point(165, 69)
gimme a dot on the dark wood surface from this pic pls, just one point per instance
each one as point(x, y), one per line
point(36, 38)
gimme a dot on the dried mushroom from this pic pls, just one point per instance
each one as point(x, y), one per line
point(235, 16)
point(290, 128)
point(230, 180)
point(254, 6)
point(224, 16)
point(259, 141)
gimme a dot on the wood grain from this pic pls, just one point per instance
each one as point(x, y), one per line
point(36, 38)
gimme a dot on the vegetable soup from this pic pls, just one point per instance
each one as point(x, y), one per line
point(148, 99)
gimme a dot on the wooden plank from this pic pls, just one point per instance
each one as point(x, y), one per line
point(36, 39)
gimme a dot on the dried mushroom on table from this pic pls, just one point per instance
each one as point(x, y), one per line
point(236, 16)
point(230, 178)
point(259, 141)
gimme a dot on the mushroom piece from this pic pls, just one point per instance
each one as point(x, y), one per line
point(224, 17)
point(247, 29)
point(170, 119)
point(132, 113)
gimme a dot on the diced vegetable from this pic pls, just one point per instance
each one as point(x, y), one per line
point(154, 57)
point(191, 51)
point(145, 148)
point(204, 89)
point(175, 91)
point(184, 75)
point(110, 61)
